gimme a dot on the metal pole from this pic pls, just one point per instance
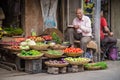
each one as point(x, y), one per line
point(97, 25)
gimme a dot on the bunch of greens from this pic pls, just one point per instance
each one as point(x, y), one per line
point(102, 65)
point(30, 53)
point(54, 52)
point(56, 38)
point(13, 31)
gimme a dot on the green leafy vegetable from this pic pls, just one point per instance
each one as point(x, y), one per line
point(30, 53)
point(102, 65)
point(56, 38)
point(54, 52)
point(13, 31)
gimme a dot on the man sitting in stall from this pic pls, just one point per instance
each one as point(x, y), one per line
point(80, 30)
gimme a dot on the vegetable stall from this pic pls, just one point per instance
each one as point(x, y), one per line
point(35, 54)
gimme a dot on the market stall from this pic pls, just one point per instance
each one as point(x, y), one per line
point(44, 53)
point(31, 53)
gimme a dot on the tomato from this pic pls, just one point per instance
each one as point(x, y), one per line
point(73, 50)
point(47, 37)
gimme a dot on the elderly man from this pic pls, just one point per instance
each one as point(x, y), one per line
point(80, 29)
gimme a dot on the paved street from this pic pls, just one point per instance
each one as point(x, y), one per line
point(111, 73)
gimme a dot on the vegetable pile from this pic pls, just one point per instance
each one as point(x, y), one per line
point(55, 52)
point(13, 31)
point(73, 50)
point(56, 63)
point(47, 37)
point(30, 53)
point(56, 38)
point(100, 65)
point(77, 60)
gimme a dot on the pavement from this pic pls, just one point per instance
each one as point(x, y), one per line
point(111, 73)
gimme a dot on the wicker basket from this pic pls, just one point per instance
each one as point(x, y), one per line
point(39, 47)
point(18, 50)
point(13, 49)
point(93, 68)
point(53, 55)
point(30, 57)
point(74, 54)
point(60, 47)
point(77, 62)
point(56, 64)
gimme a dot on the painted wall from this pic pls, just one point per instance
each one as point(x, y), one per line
point(115, 17)
point(73, 4)
point(33, 17)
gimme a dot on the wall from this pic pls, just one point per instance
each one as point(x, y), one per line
point(115, 19)
point(33, 17)
point(73, 4)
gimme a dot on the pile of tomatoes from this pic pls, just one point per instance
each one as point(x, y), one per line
point(73, 50)
point(47, 37)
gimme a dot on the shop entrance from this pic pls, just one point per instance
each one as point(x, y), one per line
point(12, 11)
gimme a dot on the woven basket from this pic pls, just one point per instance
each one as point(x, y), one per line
point(56, 64)
point(53, 55)
point(38, 47)
point(77, 62)
point(18, 50)
point(93, 68)
point(55, 47)
point(13, 49)
point(74, 54)
point(30, 57)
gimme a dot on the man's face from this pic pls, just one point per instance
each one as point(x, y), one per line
point(79, 14)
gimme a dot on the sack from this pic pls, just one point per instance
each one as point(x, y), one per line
point(113, 53)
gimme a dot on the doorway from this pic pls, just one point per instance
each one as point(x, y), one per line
point(12, 10)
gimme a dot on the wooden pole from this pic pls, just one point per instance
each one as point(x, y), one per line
point(97, 25)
